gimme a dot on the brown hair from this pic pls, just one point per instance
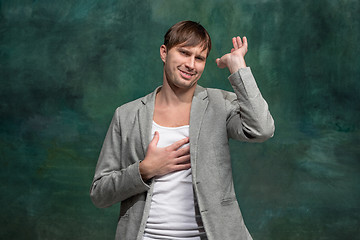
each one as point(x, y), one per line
point(188, 32)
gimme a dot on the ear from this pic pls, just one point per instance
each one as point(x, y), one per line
point(163, 53)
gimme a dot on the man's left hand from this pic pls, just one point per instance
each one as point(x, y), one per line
point(235, 59)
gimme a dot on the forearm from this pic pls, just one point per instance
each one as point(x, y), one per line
point(117, 174)
point(250, 119)
point(115, 186)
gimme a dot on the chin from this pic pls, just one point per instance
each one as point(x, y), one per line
point(186, 84)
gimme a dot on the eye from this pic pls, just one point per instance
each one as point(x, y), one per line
point(201, 59)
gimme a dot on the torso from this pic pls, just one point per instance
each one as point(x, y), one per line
point(173, 211)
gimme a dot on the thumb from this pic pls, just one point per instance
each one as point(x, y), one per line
point(155, 139)
point(219, 63)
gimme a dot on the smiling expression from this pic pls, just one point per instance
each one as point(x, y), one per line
point(183, 65)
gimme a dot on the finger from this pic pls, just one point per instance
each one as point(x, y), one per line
point(182, 151)
point(179, 143)
point(233, 49)
point(235, 43)
point(182, 160)
point(238, 40)
point(155, 139)
point(245, 42)
point(180, 167)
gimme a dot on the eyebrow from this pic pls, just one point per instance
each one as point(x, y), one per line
point(183, 49)
point(187, 51)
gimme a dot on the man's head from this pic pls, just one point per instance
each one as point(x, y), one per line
point(184, 52)
point(187, 33)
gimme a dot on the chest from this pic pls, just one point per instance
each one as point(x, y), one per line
point(171, 116)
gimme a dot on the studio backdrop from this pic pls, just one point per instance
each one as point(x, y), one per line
point(65, 65)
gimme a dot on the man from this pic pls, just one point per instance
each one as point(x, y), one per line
point(166, 156)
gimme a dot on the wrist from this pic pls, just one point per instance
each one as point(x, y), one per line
point(144, 171)
point(236, 64)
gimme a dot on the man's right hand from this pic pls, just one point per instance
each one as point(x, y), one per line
point(160, 161)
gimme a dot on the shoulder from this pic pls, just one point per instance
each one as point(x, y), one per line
point(219, 94)
point(132, 107)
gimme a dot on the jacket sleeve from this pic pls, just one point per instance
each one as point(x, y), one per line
point(249, 118)
point(115, 179)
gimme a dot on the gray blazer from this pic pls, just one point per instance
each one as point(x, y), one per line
point(216, 116)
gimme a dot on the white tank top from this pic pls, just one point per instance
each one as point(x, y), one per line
point(173, 211)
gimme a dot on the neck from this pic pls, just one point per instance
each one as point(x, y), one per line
point(173, 96)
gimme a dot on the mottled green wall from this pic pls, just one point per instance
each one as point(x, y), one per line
point(66, 65)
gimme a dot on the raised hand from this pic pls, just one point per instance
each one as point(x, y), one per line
point(160, 161)
point(235, 59)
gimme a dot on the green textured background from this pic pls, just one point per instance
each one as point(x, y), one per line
point(66, 65)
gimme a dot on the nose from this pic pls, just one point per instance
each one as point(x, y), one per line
point(190, 63)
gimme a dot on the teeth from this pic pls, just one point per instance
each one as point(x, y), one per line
point(188, 74)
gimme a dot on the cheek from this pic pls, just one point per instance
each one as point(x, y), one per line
point(201, 68)
point(169, 67)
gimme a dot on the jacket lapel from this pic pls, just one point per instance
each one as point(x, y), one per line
point(145, 114)
point(198, 108)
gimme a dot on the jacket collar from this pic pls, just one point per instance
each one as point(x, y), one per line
point(200, 94)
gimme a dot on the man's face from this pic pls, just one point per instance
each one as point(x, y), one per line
point(183, 66)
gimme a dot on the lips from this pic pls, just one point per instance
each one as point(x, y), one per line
point(185, 74)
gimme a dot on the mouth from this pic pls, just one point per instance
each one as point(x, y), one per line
point(185, 74)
